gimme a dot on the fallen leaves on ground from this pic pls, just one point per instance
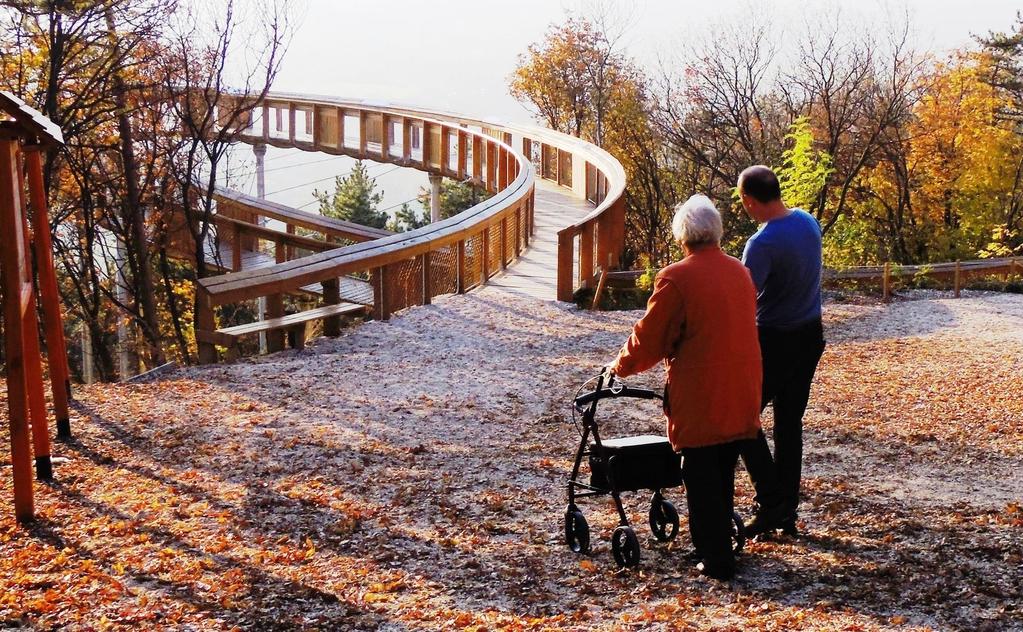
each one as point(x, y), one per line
point(410, 475)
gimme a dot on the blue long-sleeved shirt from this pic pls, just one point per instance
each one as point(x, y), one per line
point(784, 259)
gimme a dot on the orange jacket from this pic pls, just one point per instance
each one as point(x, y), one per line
point(701, 321)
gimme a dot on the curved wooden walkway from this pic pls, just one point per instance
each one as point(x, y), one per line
point(535, 273)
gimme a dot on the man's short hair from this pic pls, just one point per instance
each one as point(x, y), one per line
point(760, 183)
point(697, 222)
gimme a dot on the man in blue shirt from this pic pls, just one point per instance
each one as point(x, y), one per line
point(784, 259)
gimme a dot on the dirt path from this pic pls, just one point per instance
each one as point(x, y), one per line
point(410, 475)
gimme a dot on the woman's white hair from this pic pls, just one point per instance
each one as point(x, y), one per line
point(697, 222)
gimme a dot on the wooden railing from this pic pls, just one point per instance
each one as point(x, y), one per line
point(450, 256)
point(958, 272)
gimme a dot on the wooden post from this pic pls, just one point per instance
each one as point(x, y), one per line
point(445, 150)
point(460, 265)
point(275, 304)
point(34, 374)
point(291, 123)
point(957, 283)
point(491, 167)
point(426, 142)
point(462, 150)
point(363, 136)
point(381, 310)
point(340, 130)
point(56, 345)
point(236, 247)
point(518, 231)
point(332, 296)
point(424, 261)
point(385, 143)
point(502, 166)
point(485, 262)
point(477, 159)
point(886, 282)
point(406, 141)
point(205, 321)
point(504, 242)
point(586, 256)
point(566, 239)
point(17, 291)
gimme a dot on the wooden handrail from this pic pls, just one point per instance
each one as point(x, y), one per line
point(469, 149)
point(292, 217)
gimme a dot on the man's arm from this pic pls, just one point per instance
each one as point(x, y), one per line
point(756, 258)
point(656, 335)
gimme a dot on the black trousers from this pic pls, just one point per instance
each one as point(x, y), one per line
point(790, 359)
point(709, 476)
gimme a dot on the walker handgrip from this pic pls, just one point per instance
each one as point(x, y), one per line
point(606, 393)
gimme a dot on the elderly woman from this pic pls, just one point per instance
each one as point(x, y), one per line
point(701, 321)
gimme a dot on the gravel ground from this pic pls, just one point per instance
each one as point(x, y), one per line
point(410, 475)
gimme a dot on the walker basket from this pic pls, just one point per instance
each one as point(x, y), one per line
point(630, 464)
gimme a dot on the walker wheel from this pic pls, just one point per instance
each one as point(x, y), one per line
point(625, 547)
point(663, 519)
point(738, 533)
point(577, 531)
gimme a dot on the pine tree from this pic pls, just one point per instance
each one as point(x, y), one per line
point(355, 199)
point(406, 219)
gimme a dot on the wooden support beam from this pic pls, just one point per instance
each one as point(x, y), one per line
point(566, 239)
point(291, 123)
point(958, 278)
point(463, 145)
point(485, 262)
point(504, 242)
point(492, 167)
point(477, 159)
point(379, 280)
point(427, 143)
point(332, 296)
point(205, 321)
point(313, 120)
point(427, 288)
point(586, 256)
point(385, 144)
point(275, 303)
point(340, 130)
point(236, 247)
point(518, 231)
point(15, 281)
point(363, 135)
point(406, 141)
point(461, 278)
point(33, 359)
point(445, 150)
point(56, 345)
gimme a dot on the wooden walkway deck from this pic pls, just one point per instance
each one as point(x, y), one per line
point(534, 274)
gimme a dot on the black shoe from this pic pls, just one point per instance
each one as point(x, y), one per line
point(789, 528)
point(759, 525)
point(721, 573)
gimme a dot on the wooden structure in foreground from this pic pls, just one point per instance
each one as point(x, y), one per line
point(23, 136)
point(450, 256)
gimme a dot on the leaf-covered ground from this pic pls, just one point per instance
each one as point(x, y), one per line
point(410, 475)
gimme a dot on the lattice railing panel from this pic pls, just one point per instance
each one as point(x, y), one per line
point(473, 260)
point(404, 286)
point(494, 250)
point(444, 271)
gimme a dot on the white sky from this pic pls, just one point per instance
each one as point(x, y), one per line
point(458, 54)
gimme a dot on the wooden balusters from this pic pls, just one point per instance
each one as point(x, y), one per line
point(586, 255)
point(461, 277)
point(504, 242)
point(427, 289)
